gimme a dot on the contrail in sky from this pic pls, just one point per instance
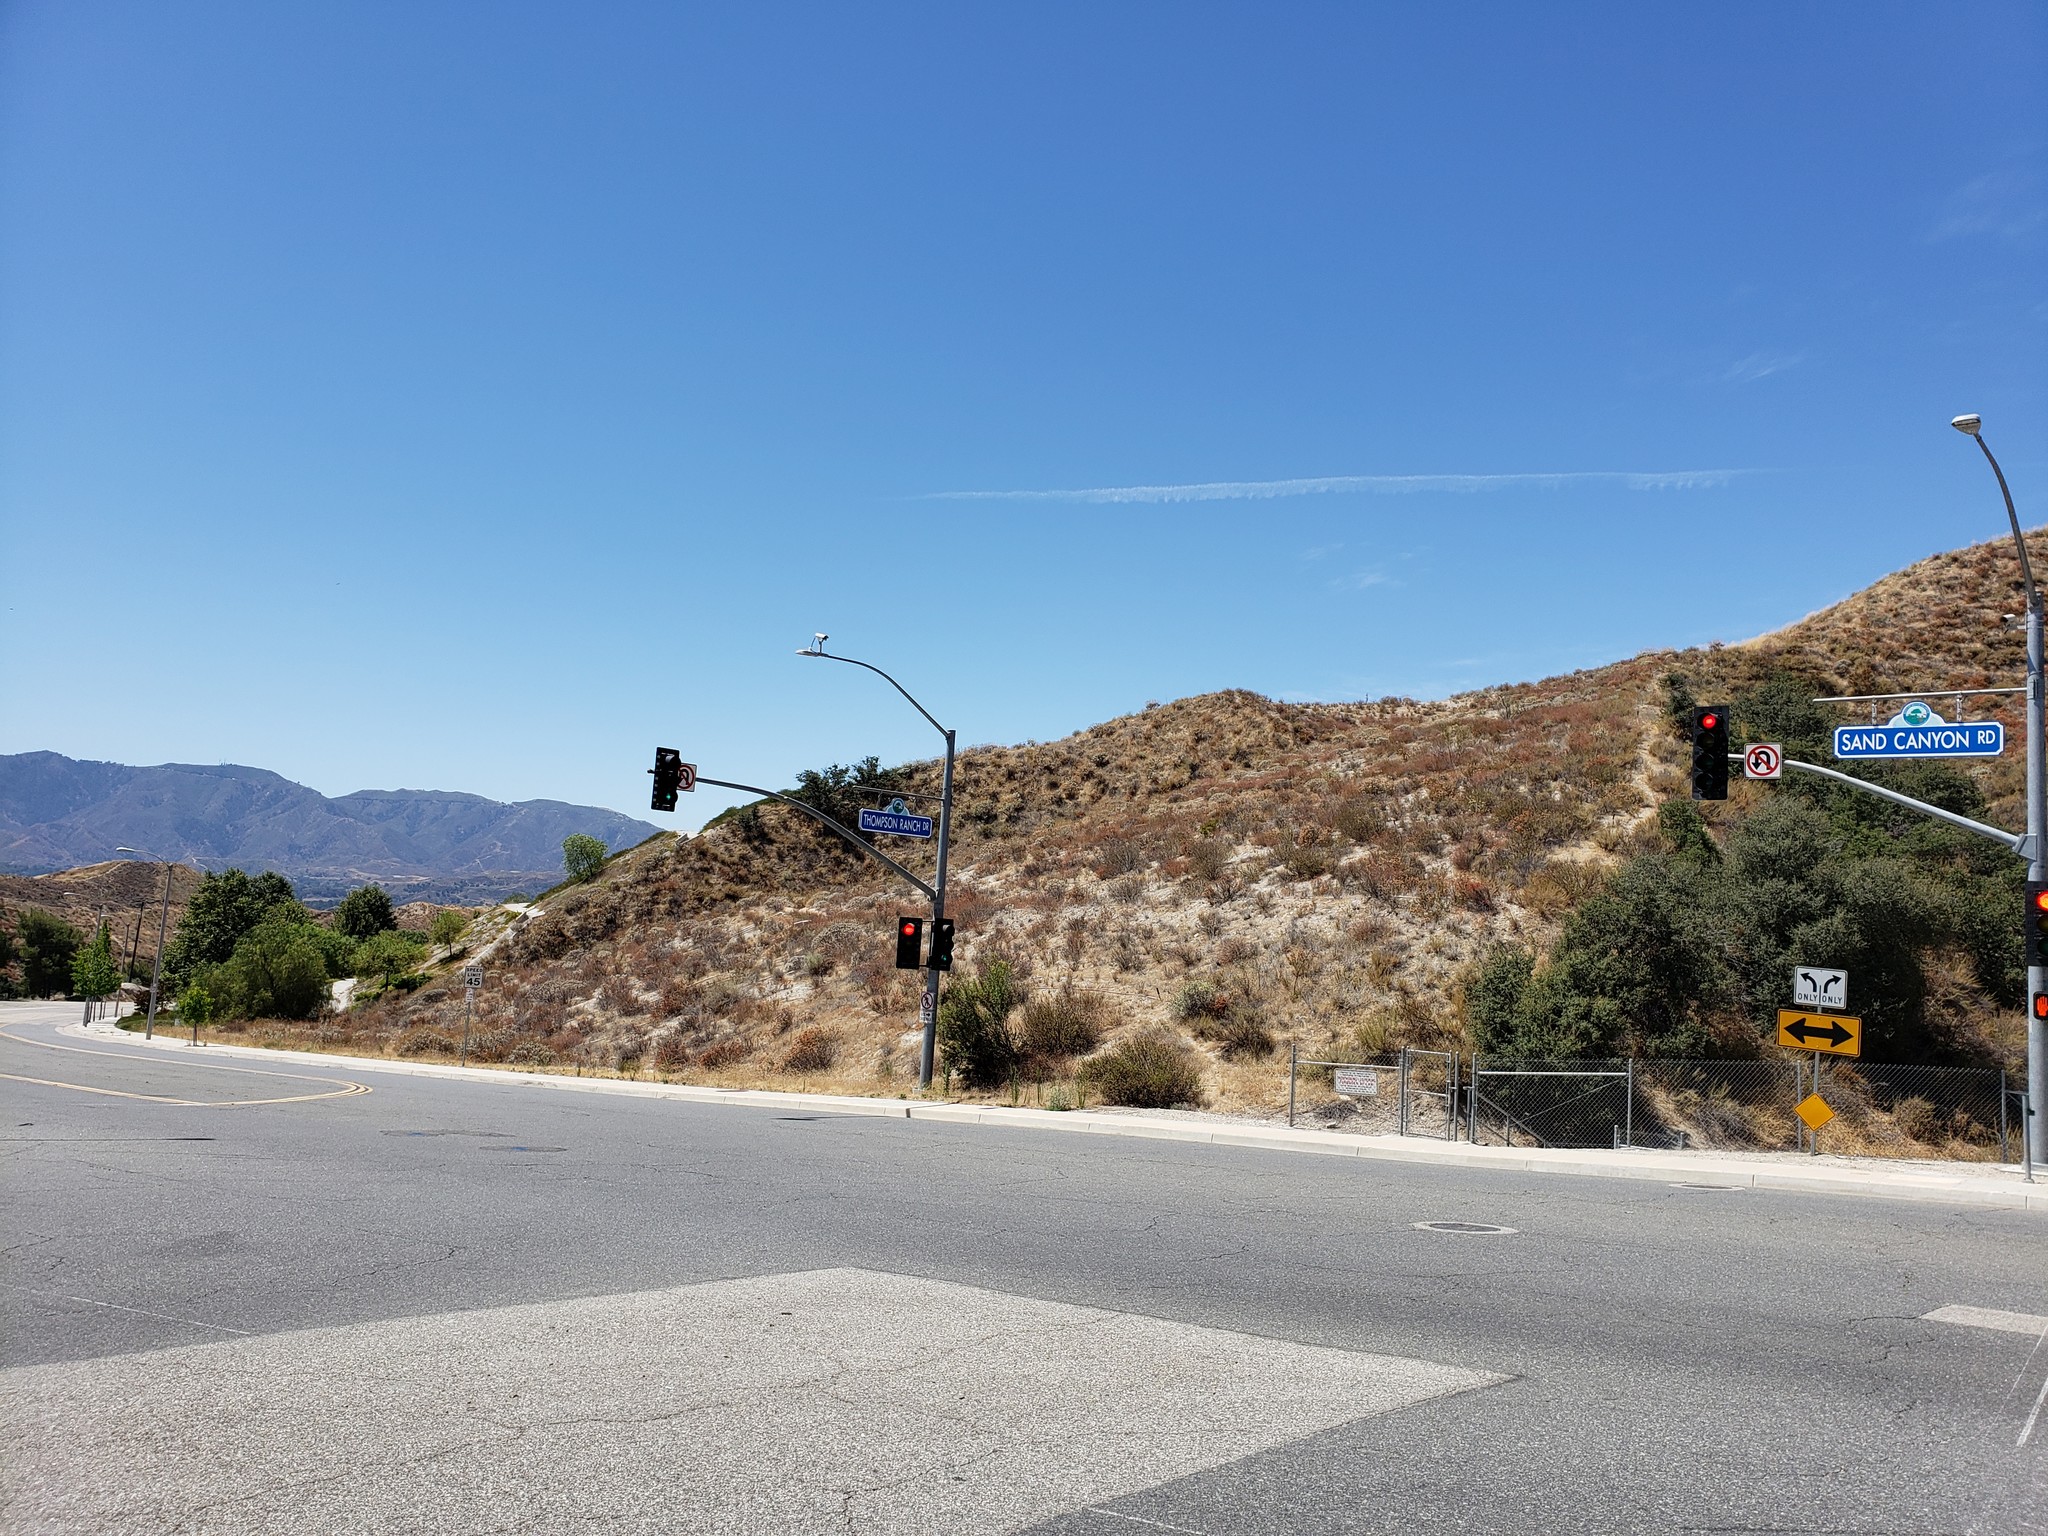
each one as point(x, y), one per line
point(1375, 485)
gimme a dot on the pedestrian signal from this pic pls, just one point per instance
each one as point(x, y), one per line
point(909, 941)
point(1710, 752)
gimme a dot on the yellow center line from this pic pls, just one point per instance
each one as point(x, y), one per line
point(343, 1089)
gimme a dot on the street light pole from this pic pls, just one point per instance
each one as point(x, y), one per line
point(2036, 1128)
point(162, 926)
point(928, 1006)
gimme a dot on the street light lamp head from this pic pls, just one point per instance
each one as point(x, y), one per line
point(1972, 424)
point(124, 848)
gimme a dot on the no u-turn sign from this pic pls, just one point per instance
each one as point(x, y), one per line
point(1764, 760)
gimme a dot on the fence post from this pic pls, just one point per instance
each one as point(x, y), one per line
point(1472, 1103)
point(2004, 1150)
point(1293, 1050)
point(1401, 1120)
point(1628, 1135)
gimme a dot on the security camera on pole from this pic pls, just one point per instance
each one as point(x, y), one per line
point(2037, 816)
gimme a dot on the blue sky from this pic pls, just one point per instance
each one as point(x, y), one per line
point(474, 397)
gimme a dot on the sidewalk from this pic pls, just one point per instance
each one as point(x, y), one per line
point(1980, 1185)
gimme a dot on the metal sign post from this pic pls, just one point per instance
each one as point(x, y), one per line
point(472, 978)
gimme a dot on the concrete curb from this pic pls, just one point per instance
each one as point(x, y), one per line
point(1976, 1191)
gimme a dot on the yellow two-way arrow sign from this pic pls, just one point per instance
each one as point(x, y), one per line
point(1836, 1033)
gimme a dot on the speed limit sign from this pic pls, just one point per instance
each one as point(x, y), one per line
point(1764, 760)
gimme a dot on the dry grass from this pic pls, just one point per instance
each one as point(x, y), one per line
point(1331, 868)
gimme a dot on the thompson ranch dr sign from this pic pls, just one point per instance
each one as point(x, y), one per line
point(1917, 731)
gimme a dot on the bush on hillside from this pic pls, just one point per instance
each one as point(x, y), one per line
point(975, 1041)
point(1151, 1071)
point(813, 1050)
point(1057, 1028)
point(277, 972)
point(582, 856)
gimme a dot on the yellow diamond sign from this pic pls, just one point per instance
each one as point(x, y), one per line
point(1813, 1109)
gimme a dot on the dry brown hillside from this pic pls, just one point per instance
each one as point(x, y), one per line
point(127, 893)
point(1328, 871)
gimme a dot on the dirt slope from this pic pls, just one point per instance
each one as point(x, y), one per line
point(1331, 867)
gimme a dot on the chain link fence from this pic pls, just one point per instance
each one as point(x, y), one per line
point(1880, 1109)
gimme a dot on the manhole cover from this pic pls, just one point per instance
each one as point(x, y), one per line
point(1466, 1226)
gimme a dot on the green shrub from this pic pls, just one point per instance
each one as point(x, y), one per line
point(531, 1054)
point(974, 1032)
point(423, 1041)
point(1240, 1032)
point(388, 955)
point(1153, 1071)
point(277, 971)
point(449, 926)
point(1055, 1028)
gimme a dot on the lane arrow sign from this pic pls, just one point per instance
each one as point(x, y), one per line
point(1836, 1033)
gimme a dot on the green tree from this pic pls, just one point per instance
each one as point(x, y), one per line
point(582, 855)
point(197, 1005)
point(93, 972)
point(449, 926)
point(226, 906)
point(974, 1028)
point(364, 911)
point(48, 944)
point(8, 955)
point(276, 972)
point(388, 955)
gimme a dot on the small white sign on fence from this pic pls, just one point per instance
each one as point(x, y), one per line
point(1358, 1082)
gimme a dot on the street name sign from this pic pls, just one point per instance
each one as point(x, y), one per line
point(1358, 1082)
point(1917, 731)
point(1763, 760)
point(896, 821)
point(1819, 986)
point(1836, 1033)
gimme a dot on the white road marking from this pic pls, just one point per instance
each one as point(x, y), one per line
point(115, 1306)
point(1989, 1317)
point(1157, 1525)
point(834, 1399)
point(2027, 1430)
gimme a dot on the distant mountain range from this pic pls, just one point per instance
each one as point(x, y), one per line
point(420, 844)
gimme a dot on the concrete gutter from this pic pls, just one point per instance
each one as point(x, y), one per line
point(1974, 1185)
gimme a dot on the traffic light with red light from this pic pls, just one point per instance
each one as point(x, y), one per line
point(1710, 752)
point(942, 944)
point(2036, 928)
point(909, 943)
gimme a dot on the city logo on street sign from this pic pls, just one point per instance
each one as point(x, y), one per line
point(1763, 760)
point(895, 820)
point(1819, 986)
point(1836, 1033)
point(1917, 731)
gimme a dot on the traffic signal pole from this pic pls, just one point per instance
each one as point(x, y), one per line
point(928, 1003)
point(2035, 1130)
point(928, 1006)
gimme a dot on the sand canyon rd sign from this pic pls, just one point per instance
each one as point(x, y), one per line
point(1917, 731)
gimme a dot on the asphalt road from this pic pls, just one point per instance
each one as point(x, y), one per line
point(244, 1301)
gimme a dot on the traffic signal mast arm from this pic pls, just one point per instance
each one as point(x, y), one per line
point(2013, 842)
point(818, 815)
